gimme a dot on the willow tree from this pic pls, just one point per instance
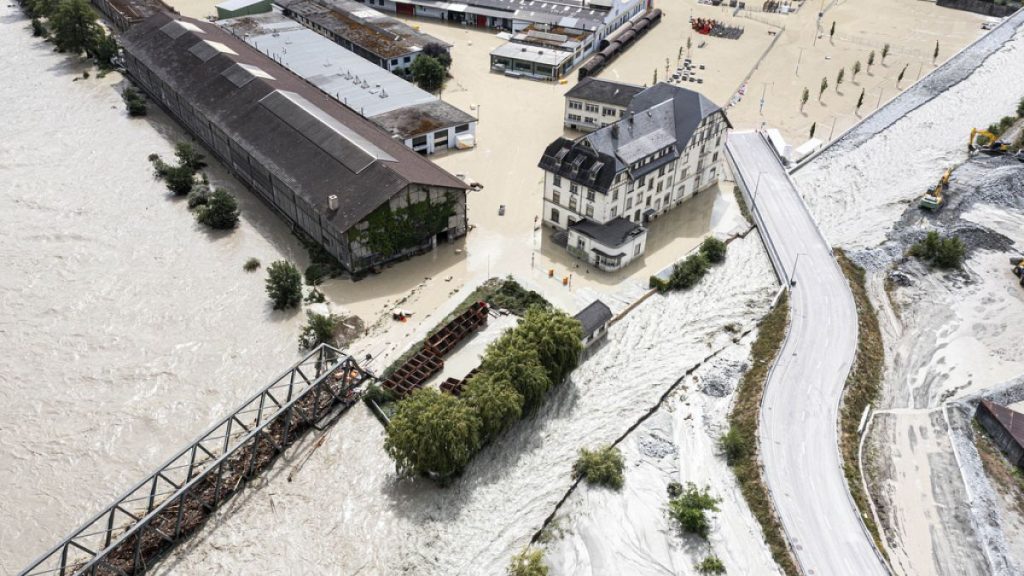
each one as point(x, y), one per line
point(556, 337)
point(512, 358)
point(496, 401)
point(433, 432)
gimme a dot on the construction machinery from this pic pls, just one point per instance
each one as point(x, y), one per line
point(995, 145)
point(934, 199)
point(1018, 268)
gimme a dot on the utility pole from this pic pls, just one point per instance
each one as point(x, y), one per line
point(879, 103)
point(833, 128)
point(801, 55)
point(792, 273)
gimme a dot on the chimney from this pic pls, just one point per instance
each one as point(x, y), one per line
point(332, 202)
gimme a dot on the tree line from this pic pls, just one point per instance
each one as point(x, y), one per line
point(437, 434)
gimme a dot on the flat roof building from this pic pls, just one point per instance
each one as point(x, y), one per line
point(323, 167)
point(415, 116)
point(524, 60)
point(387, 42)
point(593, 103)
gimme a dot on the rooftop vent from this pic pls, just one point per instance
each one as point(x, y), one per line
point(332, 202)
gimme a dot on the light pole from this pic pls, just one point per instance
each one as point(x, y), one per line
point(798, 58)
point(753, 197)
point(792, 273)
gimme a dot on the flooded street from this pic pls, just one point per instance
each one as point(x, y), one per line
point(126, 327)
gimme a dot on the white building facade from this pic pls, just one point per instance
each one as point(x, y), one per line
point(603, 188)
point(593, 103)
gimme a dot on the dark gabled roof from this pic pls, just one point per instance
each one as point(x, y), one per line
point(579, 163)
point(594, 316)
point(422, 118)
point(690, 107)
point(613, 233)
point(314, 144)
point(1012, 421)
point(604, 91)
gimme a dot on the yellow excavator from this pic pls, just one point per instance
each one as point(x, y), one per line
point(995, 145)
point(933, 199)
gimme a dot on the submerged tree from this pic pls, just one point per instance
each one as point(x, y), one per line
point(428, 73)
point(822, 88)
point(854, 71)
point(690, 510)
point(557, 339)
point(496, 401)
point(220, 211)
point(529, 562)
point(284, 285)
point(511, 358)
point(804, 97)
point(74, 26)
point(433, 432)
point(440, 53)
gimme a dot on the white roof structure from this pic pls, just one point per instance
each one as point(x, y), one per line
point(527, 53)
point(351, 79)
point(232, 5)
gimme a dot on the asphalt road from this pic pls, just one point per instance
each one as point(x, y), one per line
point(799, 436)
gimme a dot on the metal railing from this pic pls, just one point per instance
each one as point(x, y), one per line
point(174, 501)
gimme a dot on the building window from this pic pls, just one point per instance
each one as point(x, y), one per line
point(615, 195)
point(659, 187)
point(590, 210)
point(629, 203)
point(572, 203)
point(590, 195)
point(714, 157)
point(557, 181)
point(394, 62)
point(555, 216)
point(556, 197)
point(406, 59)
point(592, 108)
point(615, 211)
point(574, 189)
point(419, 141)
point(462, 128)
point(580, 243)
point(661, 172)
point(574, 105)
point(636, 251)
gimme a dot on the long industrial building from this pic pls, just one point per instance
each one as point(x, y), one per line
point(421, 120)
point(342, 180)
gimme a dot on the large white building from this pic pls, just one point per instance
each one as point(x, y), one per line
point(593, 103)
point(601, 189)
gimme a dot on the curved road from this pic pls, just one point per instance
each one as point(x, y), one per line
point(799, 413)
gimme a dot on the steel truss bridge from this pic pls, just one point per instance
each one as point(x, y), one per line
point(172, 502)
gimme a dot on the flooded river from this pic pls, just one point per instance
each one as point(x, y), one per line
point(125, 328)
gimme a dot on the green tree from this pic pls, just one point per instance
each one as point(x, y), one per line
point(134, 102)
point(178, 179)
point(220, 211)
point(885, 52)
point(39, 29)
point(432, 432)
point(41, 8)
point(601, 467)
point(103, 49)
point(690, 510)
point(440, 53)
point(74, 26)
point(832, 31)
point(804, 97)
point(710, 565)
point(944, 252)
point(189, 156)
point(557, 339)
point(814, 125)
point(496, 401)
point(713, 249)
point(860, 99)
point(822, 88)
point(655, 81)
point(512, 358)
point(871, 60)
point(529, 562)
point(855, 70)
point(251, 265)
point(1020, 108)
point(319, 329)
point(688, 273)
point(284, 285)
point(900, 77)
point(734, 445)
point(935, 54)
point(839, 78)
point(428, 73)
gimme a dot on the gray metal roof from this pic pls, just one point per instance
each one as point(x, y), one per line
point(350, 78)
point(527, 53)
point(565, 13)
point(311, 143)
point(604, 91)
point(1012, 421)
point(375, 32)
point(594, 316)
point(421, 119)
point(613, 233)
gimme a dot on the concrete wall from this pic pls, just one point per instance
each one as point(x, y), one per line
point(1014, 451)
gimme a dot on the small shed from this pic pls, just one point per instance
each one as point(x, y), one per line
point(594, 319)
point(1006, 427)
point(236, 8)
